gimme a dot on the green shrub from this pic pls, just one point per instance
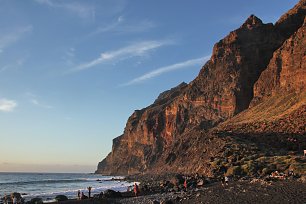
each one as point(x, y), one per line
point(245, 168)
point(266, 171)
point(215, 163)
point(234, 170)
point(298, 168)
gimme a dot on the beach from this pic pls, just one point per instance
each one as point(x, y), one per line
point(248, 191)
point(160, 190)
point(235, 192)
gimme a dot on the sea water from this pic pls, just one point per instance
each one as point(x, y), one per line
point(48, 185)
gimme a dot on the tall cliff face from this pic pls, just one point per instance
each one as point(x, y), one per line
point(175, 127)
point(279, 103)
point(286, 71)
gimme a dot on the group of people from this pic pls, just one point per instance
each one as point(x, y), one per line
point(13, 198)
point(281, 175)
point(135, 189)
point(82, 196)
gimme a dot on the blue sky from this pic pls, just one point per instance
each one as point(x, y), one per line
point(72, 72)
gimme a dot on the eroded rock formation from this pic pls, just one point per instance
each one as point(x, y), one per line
point(176, 133)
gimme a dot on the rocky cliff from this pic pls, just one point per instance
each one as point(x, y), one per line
point(191, 124)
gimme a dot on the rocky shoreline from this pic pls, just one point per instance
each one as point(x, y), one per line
point(171, 188)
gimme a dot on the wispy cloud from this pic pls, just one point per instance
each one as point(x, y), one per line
point(35, 102)
point(69, 56)
point(141, 26)
point(7, 39)
point(33, 99)
point(138, 49)
point(7, 105)
point(84, 11)
point(121, 25)
point(169, 68)
point(106, 28)
point(14, 64)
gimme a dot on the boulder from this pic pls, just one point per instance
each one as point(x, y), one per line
point(61, 198)
point(111, 194)
point(17, 195)
point(35, 201)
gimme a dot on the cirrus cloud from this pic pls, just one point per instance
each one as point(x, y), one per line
point(7, 39)
point(169, 68)
point(81, 9)
point(138, 49)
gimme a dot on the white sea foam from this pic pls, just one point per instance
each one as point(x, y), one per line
point(47, 186)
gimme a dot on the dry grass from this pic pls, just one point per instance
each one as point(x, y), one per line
point(271, 109)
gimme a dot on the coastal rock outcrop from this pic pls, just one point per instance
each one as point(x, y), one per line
point(187, 127)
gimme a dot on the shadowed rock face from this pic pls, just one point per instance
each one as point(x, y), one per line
point(286, 71)
point(173, 134)
point(292, 20)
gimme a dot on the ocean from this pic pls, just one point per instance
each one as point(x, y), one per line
point(48, 185)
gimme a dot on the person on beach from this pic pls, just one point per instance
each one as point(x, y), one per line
point(83, 196)
point(223, 181)
point(185, 184)
point(290, 173)
point(14, 199)
point(79, 195)
point(5, 199)
point(89, 191)
point(226, 179)
point(136, 189)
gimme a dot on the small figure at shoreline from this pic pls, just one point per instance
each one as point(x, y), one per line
point(83, 196)
point(79, 195)
point(5, 199)
point(14, 199)
point(136, 189)
point(89, 190)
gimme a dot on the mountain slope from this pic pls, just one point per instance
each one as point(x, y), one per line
point(176, 133)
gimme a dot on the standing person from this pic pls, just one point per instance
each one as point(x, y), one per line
point(89, 191)
point(223, 180)
point(185, 184)
point(226, 180)
point(5, 199)
point(136, 189)
point(79, 195)
point(14, 200)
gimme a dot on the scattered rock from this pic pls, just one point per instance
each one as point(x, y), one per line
point(260, 181)
point(111, 194)
point(35, 201)
point(61, 198)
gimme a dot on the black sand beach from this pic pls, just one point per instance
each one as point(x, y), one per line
point(254, 191)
